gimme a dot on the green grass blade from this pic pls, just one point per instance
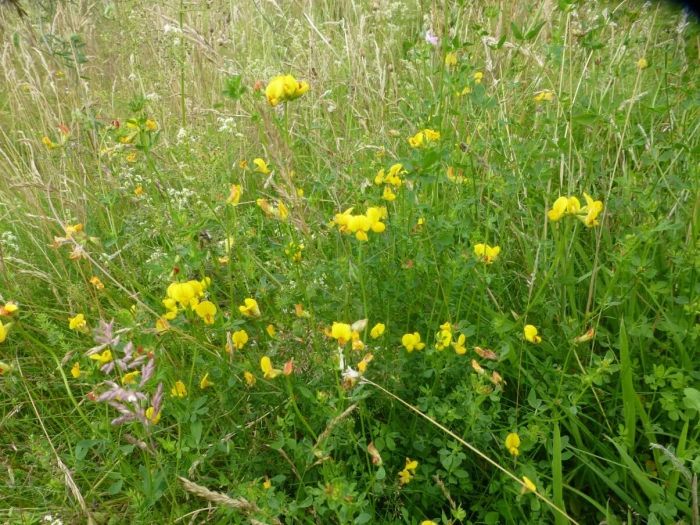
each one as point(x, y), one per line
point(629, 396)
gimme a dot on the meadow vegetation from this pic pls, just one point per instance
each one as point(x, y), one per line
point(349, 261)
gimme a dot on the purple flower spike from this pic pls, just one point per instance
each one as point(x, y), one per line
point(430, 38)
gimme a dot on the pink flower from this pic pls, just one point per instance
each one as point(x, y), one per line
point(430, 38)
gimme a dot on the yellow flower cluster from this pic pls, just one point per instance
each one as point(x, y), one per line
point(545, 95)
point(512, 444)
point(423, 137)
point(587, 214)
point(294, 251)
point(283, 88)
point(186, 296)
point(444, 336)
point(391, 178)
point(361, 224)
point(409, 472)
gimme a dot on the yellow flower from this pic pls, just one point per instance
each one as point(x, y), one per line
point(266, 367)
point(250, 309)
point(206, 310)
point(459, 345)
point(5, 368)
point(261, 166)
point(284, 87)
point(267, 483)
point(590, 211)
point(477, 77)
point(49, 143)
point(428, 522)
point(416, 141)
point(243, 164)
point(357, 343)
point(486, 253)
point(152, 418)
point(283, 211)
point(204, 382)
point(235, 195)
point(341, 332)
point(239, 339)
point(388, 195)
point(151, 126)
point(75, 371)
point(183, 293)
point(530, 333)
point(529, 484)
point(411, 465)
point(162, 324)
point(642, 63)
point(379, 179)
point(138, 190)
point(9, 308)
point(377, 331)
point(270, 329)
point(394, 175)
point(375, 214)
point(130, 378)
point(103, 358)
point(131, 157)
point(3, 331)
point(451, 59)
point(171, 306)
point(444, 339)
point(95, 281)
point(404, 477)
point(544, 95)
point(431, 135)
point(412, 342)
point(564, 206)
point(179, 390)
point(249, 378)
point(512, 443)
point(77, 323)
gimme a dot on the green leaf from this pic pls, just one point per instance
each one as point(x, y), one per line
point(692, 398)
point(532, 33)
point(115, 487)
point(516, 31)
point(629, 396)
point(196, 430)
point(363, 518)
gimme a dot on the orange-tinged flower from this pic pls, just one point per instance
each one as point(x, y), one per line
point(249, 378)
point(162, 324)
point(487, 354)
point(8, 309)
point(374, 453)
point(289, 367)
point(590, 334)
point(477, 367)
point(95, 281)
point(235, 195)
